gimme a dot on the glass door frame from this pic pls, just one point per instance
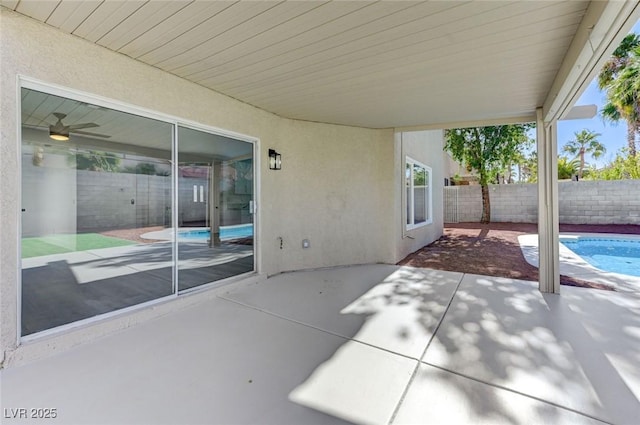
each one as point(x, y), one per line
point(254, 204)
point(25, 82)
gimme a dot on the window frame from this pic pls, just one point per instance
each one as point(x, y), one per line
point(409, 210)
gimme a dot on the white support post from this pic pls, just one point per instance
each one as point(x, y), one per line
point(548, 217)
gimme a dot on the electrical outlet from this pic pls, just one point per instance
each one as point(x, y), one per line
point(306, 243)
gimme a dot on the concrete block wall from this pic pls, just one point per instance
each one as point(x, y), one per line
point(104, 200)
point(469, 204)
point(516, 203)
point(600, 202)
point(120, 200)
point(583, 202)
point(153, 200)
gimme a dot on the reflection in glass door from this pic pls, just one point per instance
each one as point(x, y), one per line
point(96, 210)
point(99, 194)
point(215, 208)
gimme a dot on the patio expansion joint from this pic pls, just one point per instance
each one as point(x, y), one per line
point(424, 352)
point(501, 387)
point(346, 338)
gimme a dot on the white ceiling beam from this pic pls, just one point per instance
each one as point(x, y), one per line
point(465, 124)
point(576, 113)
point(601, 30)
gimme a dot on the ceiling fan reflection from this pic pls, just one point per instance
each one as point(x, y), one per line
point(60, 131)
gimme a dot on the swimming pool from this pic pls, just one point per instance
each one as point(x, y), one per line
point(618, 255)
point(226, 233)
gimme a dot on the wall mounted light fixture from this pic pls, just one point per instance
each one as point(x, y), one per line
point(275, 160)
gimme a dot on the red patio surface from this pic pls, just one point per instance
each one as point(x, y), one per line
point(493, 250)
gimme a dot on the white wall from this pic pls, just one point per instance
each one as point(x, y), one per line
point(453, 167)
point(425, 147)
point(49, 197)
point(335, 188)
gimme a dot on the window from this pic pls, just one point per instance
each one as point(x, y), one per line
point(418, 192)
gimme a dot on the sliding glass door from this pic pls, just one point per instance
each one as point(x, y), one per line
point(100, 188)
point(95, 183)
point(215, 202)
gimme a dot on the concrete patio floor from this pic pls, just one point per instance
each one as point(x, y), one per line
point(373, 344)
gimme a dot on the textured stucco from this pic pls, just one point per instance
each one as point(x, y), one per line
point(336, 187)
point(425, 147)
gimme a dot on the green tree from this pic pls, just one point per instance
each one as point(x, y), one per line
point(624, 166)
point(567, 167)
point(517, 165)
point(141, 168)
point(530, 167)
point(519, 160)
point(618, 77)
point(96, 161)
point(585, 141)
point(488, 151)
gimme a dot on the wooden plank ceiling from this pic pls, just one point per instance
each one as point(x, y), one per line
point(363, 63)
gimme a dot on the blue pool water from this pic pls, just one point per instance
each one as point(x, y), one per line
point(226, 233)
point(612, 255)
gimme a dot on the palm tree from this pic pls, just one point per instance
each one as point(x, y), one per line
point(618, 60)
point(585, 141)
point(617, 81)
point(624, 94)
point(567, 168)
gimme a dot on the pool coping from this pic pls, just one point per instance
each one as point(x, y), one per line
point(573, 265)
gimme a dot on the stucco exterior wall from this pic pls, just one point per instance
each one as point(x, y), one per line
point(336, 187)
point(582, 202)
point(425, 147)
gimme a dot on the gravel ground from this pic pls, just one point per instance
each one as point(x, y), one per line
point(493, 250)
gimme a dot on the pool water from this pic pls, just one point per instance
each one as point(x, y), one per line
point(226, 233)
point(612, 255)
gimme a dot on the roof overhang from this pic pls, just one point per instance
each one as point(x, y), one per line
point(603, 27)
point(405, 65)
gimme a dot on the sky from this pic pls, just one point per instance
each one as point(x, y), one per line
point(613, 136)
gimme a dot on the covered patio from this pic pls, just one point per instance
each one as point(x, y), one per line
point(347, 93)
point(374, 344)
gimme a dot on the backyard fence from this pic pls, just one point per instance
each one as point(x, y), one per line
point(451, 204)
point(582, 202)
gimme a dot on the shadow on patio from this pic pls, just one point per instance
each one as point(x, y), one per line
point(345, 344)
